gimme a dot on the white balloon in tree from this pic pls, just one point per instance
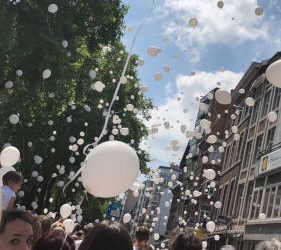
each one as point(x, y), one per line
point(127, 218)
point(111, 168)
point(92, 74)
point(65, 210)
point(99, 86)
point(157, 76)
point(46, 73)
point(9, 84)
point(53, 8)
point(212, 139)
point(259, 11)
point(223, 97)
point(14, 119)
point(9, 156)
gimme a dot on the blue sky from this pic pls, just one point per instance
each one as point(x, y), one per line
point(231, 37)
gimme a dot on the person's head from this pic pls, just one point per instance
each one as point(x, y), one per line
point(272, 244)
point(15, 231)
point(107, 235)
point(13, 180)
point(80, 234)
point(185, 240)
point(55, 240)
point(36, 227)
point(142, 234)
point(145, 246)
point(57, 226)
point(46, 223)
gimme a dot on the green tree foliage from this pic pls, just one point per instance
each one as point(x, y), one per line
point(53, 110)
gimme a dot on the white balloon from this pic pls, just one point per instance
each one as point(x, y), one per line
point(211, 226)
point(218, 204)
point(124, 131)
point(156, 236)
point(4, 170)
point(65, 210)
point(130, 107)
point(53, 8)
point(166, 68)
point(220, 4)
point(127, 218)
point(262, 216)
point(111, 169)
point(193, 22)
point(217, 237)
point(210, 174)
point(140, 62)
point(212, 139)
point(64, 43)
point(46, 73)
point(153, 51)
point(68, 225)
point(9, 84)
point(99, 86)
point(210, 96)
point(273, 73)
point(157, 76)
point(234, 129)
point(202, 106)
point(250, 101)
point(223, 97)
point(241, 91)
point(92, 74)
point(9, 156)
point(14, 119)
point(259, 11)
point(272, 116)
point(205, 159)
point(19, 72)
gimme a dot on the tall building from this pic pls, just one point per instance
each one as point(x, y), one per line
point(250, 183)
point(193, 168)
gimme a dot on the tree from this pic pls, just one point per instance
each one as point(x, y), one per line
point(61, 114)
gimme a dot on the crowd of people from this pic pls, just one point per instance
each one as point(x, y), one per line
point(22, 230)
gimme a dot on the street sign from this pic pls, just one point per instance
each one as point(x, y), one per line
point(114, 210)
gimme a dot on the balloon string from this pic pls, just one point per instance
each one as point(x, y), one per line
point(112, 101)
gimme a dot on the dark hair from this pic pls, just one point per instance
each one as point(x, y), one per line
point(55, 240)
point(142, 234)
point(107, 235)
point(185, 241)
point(13, 215)
point(13, 176)
point(145, 247)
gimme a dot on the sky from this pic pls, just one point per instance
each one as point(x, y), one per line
point(219, 49)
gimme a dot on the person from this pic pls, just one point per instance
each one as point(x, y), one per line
point(46, 223)
point(272, 244)
point(185, 240)
point(107, 235)
point(145, 246)
point(141, 237)
point(12, 182)
point(36, 227)
point(55, 240)
point(15, 231)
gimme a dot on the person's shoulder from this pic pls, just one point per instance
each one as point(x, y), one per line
point(8, 191)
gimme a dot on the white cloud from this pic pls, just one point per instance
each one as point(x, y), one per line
point(235, 23)
point(191, 87)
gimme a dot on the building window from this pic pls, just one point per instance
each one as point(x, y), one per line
point(256, 204)
point(277, 97)
point(255, 112)
point(247, 155)
point(232, 156)
point(238, 157)
point(238, 200)
point(224, 196)
point(229, 202)
point(248, 199)
point(270, 138)
point(266, 104)
point(226, 157)
point(257, 148)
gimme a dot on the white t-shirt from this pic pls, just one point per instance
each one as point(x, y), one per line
point(7, 194)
